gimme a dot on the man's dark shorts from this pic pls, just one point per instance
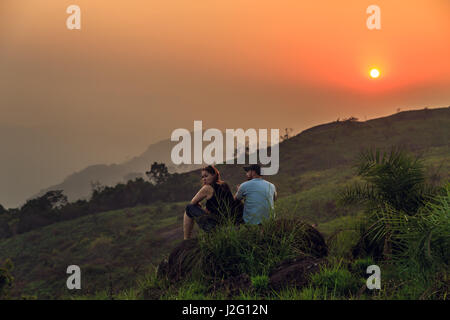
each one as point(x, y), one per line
point(206, 221)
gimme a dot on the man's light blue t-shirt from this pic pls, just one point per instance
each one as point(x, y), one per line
point(258, 194)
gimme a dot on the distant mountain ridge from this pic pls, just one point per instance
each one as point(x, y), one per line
point(78, 184)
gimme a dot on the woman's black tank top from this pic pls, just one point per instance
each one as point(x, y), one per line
point(222, 200)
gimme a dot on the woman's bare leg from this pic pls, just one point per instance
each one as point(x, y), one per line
point(188, 225)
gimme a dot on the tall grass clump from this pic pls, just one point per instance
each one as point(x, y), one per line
point(255, 249)
point(260, 283)
point(337, 280)
point(150, 286)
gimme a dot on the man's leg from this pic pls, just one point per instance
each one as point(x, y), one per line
point(188, 225)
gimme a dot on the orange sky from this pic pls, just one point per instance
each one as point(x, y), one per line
point(139, 69)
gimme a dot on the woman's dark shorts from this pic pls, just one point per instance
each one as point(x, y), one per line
point(206, 221)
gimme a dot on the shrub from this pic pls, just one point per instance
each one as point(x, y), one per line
point(424, 256)
point(395, 188)
point(425, 237)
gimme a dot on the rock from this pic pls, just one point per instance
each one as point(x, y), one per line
point(307, 238)
point(294, 272)
point(163, 269)
point(183, 259)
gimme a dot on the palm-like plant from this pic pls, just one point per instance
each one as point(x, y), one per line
point(394, 185)
point(425, 238)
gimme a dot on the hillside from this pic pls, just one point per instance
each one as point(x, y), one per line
point(115, 248)
point(317, 162)
point(115, 245)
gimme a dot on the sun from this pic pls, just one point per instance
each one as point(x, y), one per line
point(374, 73)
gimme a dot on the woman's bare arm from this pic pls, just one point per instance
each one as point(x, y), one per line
point(205, 192)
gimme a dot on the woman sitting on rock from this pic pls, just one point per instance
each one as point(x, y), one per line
point(220, 203)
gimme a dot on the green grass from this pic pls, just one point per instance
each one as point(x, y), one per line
point(308, 293)
point(337, 280)
point(114, 246)
point(260, 283)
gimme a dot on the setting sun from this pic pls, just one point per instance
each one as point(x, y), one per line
point(374, 73)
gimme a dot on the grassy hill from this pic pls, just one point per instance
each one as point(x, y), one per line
point(110, 246)
point(116, 248)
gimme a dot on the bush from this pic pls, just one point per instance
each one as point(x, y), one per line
point(395, 188)
point(427, 240)
point(424, 258)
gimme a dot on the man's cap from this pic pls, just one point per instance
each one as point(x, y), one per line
point(253, 167)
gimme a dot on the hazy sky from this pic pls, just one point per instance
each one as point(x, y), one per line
point(137, 70)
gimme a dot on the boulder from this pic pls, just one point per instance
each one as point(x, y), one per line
point(308, 239)
point(294, 272)
point(183, 259)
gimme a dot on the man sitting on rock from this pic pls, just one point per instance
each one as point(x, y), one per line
point(258, 195)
